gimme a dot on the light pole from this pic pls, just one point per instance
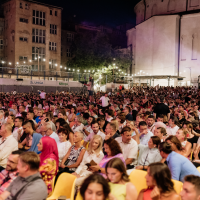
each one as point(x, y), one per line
point(190, 75)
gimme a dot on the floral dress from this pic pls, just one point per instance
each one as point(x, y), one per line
point(48, 171)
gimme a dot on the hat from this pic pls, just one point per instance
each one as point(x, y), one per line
point(129, 117)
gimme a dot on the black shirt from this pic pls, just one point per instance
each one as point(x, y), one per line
point(161, 108)
point(193, 140)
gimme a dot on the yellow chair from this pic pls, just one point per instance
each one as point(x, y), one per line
point(177, 186)
point(64, 187)
point(137, 177)
point(79, 197)
point(198, 168)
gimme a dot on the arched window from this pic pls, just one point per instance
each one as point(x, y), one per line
point(171, 5)
point(154, 10)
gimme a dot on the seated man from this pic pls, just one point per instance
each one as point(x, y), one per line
point(191, 188)
point(10, 173)
point(179, 165)
point(29, 184)
point(7, 144)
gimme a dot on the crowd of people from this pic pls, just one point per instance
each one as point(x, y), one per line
point(101, 138)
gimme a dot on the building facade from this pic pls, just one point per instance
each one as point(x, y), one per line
point(32, 35)
point(166, 40)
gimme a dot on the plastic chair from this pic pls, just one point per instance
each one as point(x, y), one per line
point(64, 187)
point(137, 177)
point(198, 168)
point(79, 197)
point(177, 186)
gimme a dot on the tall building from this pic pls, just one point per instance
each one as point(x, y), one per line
point(31, 35)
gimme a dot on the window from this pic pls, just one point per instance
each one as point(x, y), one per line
point(1, 44)
point(52, 46)
point(53, 29)
point(24, 58)
point(56, 13)
point(38, 36)
point(23, 20)
point(52, 64)
point(38, 51)
point(70, 37)
point(26, 6)
point(23, 39)
point(35, 67)
point(69, 53)
point(51, 12)
point(20, 5)
point(38, 17)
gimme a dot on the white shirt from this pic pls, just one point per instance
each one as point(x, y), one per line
point(148, 156)
point(6, 148)
point(104, 101)
point(15, 132)
point(87, 158)
point(55, 137)
point(42, 95)
point(89, 137)
point(172, 131)
point(63, 148)
point(76, 128)
point(129, 150)
point(88, 128)
point(144, 139)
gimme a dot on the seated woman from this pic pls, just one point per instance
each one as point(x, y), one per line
point(95, 187)
point(159, 183)
point(34, 142)
point(48, 160)
point(63, 144)
point(120, 185)
point(74, 156)
point(94, 153)
point(72, 114)
point(113, 150)
point(182, 137)
point(148, 154)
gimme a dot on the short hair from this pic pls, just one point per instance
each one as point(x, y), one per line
point(129, 110)
point(49, 115)
point(142, 123)
point(60, 120)
point(80, 119)
point(21, 119)
point(165, 147)
point(31, 159)
point(122, 118)
point(113, 125)
point(160, 116)
point(156, 140)
point(101, 118)
point(17, 152)
point(162, 98)
point(48, 125)
point(194, 180)
point(94, 122)
point(30, 123)
point(110, 112)
point(86, 115)
point(162, 130)
point(126, 128)
point(114, 146)
point(151, 117)
point(8, 127)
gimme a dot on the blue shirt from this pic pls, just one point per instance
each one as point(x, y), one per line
point(180, 166)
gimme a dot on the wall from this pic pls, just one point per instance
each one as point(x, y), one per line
point(157, 46)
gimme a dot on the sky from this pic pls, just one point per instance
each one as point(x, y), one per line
point(108, 12)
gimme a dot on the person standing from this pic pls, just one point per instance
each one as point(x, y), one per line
point(105, 100)
point(90, 88)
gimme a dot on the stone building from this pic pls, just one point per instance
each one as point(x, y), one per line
point(32, 35)
point(165, 40)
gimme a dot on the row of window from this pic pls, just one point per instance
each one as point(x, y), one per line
point(39, 18)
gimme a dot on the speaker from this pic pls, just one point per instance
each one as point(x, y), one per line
point(19, 79)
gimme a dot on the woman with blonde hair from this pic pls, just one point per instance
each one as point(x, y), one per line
point(93, 155)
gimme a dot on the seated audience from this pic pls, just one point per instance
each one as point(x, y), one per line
point(94, 153)
point(69, 132)
point(78, 126)
point(7, 144)
point(179, 165)
point(29, 184)
point(49, 161)
point(18, 132)
point(33, 144)
point(159, 183)
point(111, 131)
point(120, 185)
point(161, 133)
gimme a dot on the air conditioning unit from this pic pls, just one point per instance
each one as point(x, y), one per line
point(51, 78)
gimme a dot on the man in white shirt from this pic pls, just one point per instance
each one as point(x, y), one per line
point(8, 144)
point(150, 123)
point(129, 147)
point(96, 131)
point(43, 95)
point(173, 128)
point(18, 131)
point(47, 130)
point(104, 100)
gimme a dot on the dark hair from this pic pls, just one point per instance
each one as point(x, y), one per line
point(30, 122)
point(110, 112)
point(162, 176)
point(194, 180)
point(160, 116)
point(17, 152)
point(63, 130)
point(126, 128)
point(165, 147)
point(31, 159)
point(162, 130)
point(162, 98)
point(129, 110)
point(117, 163)
point(95, 178)
point(114, 146)
point(175, 141)
point(94, 122)
point(21, 119)
point(150, 116)
point(60, 120)
point(142, 123)
point(86, 115)
point(101, 118)
point(67, 128)
point(156, 140)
